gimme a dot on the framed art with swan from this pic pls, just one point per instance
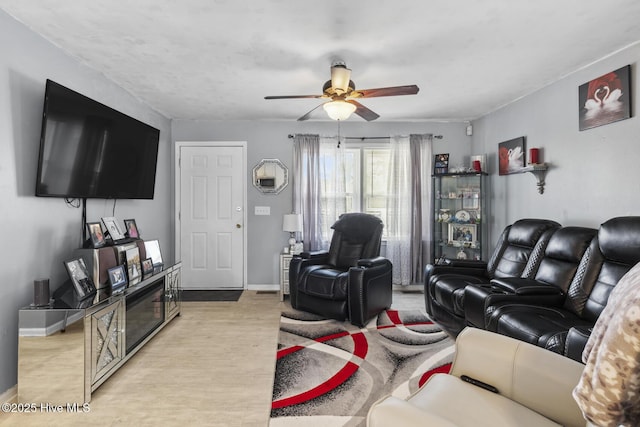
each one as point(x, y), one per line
point(511, 156)
point(606, 99)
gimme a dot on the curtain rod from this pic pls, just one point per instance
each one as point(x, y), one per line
point(362, 138)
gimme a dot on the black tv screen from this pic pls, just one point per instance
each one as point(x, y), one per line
point(89, 150)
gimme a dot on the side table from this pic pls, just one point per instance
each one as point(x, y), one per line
point(285, 259)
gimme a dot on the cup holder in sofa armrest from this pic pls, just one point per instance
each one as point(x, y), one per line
point(521, 286)
point(577, 338)
point(478, 297)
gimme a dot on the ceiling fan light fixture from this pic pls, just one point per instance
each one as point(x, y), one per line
point(340, 76)
point(339, 110)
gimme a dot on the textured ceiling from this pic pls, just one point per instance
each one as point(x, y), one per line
point(217, 59)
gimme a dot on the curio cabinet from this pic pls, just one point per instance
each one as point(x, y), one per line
point(459, 227)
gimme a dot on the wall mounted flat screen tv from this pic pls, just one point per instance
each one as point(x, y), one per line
point(89, 150)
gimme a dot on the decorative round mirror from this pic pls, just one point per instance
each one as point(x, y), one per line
point(270, 176)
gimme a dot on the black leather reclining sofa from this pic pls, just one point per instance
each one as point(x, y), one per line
point(544, 284)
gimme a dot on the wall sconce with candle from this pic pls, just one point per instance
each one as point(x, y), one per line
point(537, 168)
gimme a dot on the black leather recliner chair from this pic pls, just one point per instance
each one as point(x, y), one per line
point(350, 280)
point(517, 254)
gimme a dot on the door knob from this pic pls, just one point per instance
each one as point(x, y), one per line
point(238, 226)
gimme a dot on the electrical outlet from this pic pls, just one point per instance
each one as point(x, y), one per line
point(262, 210)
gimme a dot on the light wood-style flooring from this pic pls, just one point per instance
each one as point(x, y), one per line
point(213, 365)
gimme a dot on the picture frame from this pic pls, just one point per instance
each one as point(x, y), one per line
point(117, 279)
point(131, 229)
point(605, 99)
point(441, 164)
point(83, 285)
point(512, 156)
point(134, 269)
point(147, 268)
point(111, 224)
point(152, 249)
point(96, 235)
point(464, 234)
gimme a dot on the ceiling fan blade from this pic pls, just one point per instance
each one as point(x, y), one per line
point(387, 91)
point(363, 111)
point(293, 96)
point(308, 115)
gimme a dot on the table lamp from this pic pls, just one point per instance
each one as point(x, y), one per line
point(293, 224)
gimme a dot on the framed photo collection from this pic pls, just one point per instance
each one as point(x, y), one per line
point(117, 279)
point(465, 234)
point(441, 164)
point(83, 285)
point(111, 224)
point(131, 228)
point(147, 268)
point(134, 270)
point(152, 248)
point(96, 235)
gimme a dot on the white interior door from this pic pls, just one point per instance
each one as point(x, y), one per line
point(212, 216)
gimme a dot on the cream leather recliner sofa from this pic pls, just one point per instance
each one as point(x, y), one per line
point(532, 387)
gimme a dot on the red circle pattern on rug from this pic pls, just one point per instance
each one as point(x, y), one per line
point(359, 353)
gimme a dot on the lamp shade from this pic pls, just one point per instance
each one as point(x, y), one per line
point(340, 76)
point(339, 110)
point(292, 223)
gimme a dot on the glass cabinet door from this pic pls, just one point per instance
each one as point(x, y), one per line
point(459, 230)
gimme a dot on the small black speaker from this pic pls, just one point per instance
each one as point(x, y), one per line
point(41, 292)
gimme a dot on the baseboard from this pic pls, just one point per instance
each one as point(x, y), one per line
point(265, 287)
point(10, 396)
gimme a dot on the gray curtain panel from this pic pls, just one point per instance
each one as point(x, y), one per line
point(420, 147)
point(306, 187)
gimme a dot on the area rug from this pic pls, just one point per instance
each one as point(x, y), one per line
point(328, 373)
point(211, 295)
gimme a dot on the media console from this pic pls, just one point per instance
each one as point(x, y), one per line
point(68, 349)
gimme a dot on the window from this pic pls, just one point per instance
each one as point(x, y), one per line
point(387, 180)
point(364, 187)
point(374, 191)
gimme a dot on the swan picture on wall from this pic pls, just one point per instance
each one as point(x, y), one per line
point(605, 99)
point(511, 157)
point(515, 159)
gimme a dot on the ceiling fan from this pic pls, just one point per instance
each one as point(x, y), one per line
point(342, 95)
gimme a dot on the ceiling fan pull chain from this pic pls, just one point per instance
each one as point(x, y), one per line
point(338, 133)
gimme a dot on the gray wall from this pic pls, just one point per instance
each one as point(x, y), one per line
point(269, 140)
point(594, 174)
point(38, 234)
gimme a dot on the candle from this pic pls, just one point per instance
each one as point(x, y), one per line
point(533, 156)
point(476, 166)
